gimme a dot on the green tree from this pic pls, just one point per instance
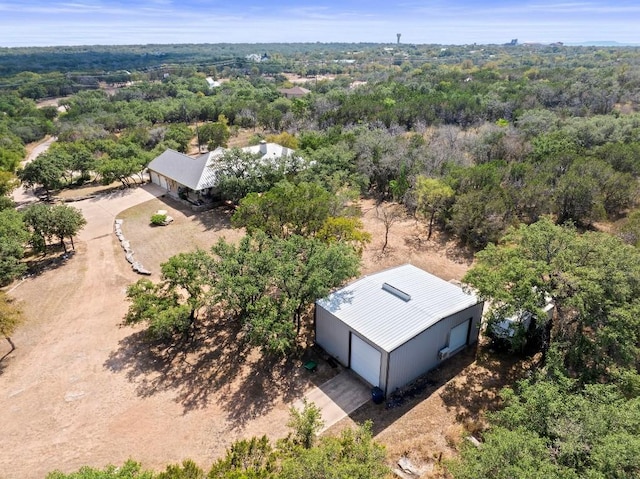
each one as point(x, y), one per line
point(171, 306)
point(58, 221)
point(433, 197)
point(253, 458)
point(215, 134)
point(268, 283)
point(10, 318)
point(66, 222)
point(285, 139)
point(478, 217)
point(578, 196)
point(286, 209)
point(305, 423)
point(46, 171)
point(353, 454)
point(589, 430)
point(13, 236)
point(187, 470)
point(593, 280)
point(179, 135)
point(38, 219)
point(507, 454)
point(129, 470)
point(345, 229)
point(240, 173)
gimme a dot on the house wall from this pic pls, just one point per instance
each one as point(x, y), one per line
point(166, 183)
point(420, 354)
point(332, 335)
point(157, 179)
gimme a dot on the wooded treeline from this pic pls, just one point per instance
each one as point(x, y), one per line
point(541, 144)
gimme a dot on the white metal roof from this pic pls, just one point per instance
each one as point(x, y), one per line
point(384, 316)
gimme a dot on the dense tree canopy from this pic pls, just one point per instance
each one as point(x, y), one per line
point(578, 415)
point(13, 238)
point(475, 141)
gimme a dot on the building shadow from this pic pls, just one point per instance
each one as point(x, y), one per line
point(468, 384)
point(401, 402)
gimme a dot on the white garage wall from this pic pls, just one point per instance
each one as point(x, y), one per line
point(332, 335)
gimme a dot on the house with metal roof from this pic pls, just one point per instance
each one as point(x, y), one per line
point(295, 92)
point(393, 326)
point(194, 178)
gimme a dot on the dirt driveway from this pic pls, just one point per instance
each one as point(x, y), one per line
point(80, 390)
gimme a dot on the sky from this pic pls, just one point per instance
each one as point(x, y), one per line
point(121, 22)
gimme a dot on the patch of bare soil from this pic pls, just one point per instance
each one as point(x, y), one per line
point(407, 243)
point(82, 390)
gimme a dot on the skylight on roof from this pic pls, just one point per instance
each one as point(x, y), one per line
point(396, 292)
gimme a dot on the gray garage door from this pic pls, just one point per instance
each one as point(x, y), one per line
point(365, 360)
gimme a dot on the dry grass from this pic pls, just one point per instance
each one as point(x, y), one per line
point(93, 390)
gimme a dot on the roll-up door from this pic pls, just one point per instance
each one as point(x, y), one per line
point(365, 360)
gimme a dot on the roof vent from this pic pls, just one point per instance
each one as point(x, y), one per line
point(396, 292)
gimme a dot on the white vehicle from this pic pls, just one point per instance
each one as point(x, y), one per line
point(514, 330)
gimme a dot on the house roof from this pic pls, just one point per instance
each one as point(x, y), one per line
point(296, 90)
point(199, 173)
point(392, 306)
point(185, 170)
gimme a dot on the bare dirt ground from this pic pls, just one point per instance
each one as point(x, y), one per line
point(82, 390)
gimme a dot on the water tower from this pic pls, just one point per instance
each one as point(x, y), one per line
point(398, 35)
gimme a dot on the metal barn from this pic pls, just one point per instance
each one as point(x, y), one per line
point(393, 326)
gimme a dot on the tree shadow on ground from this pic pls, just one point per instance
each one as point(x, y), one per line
point(214, 365)
point(478, 390)
point(54, 258)
point(401, 402)
point(216, 218)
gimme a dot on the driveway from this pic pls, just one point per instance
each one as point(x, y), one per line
point(338, 397)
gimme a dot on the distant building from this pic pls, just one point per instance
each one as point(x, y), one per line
point(356, 84)
point(213, 83)
point(295, 92)
point(256, 57)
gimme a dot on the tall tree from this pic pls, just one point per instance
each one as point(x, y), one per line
point(13, 236)
point(58, 221)
point(592, 278)
point(172, 305)
point(214, 134)
point(46, 171)
point(10, 318)
point(286, 209)
point(269, 282)
point(66, 222)
point(433, 197)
